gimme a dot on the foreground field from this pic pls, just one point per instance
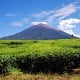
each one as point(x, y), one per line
point(35, 56)
point(41, 77)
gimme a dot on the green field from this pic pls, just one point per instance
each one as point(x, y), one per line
point(36, 56)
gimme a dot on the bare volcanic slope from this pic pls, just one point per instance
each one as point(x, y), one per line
point(39, 32)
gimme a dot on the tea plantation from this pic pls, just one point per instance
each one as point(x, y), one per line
point(34, 56)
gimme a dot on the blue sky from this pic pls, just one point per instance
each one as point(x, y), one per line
point(17, 15)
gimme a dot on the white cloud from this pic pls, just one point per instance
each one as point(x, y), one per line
point(20, 23)
point(66, 10)
point(17, 24)
point(77, 1)
point(38, 15)
point(36, 23)
point(63, 12)
point(42, 14)
point(68, 25)
point(10, 15)
point(25, 20)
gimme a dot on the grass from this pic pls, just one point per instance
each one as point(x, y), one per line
point(41, 77)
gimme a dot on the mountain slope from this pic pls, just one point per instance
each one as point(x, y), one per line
point(40, 31)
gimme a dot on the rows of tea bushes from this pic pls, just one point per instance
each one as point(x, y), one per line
point(34, 56)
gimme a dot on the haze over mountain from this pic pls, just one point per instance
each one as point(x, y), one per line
point(40, 32)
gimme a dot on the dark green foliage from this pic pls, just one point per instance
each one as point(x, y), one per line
point(4, 66)
point(24, 63)
point(49, 63)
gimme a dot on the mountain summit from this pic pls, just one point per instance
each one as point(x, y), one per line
point(40, 32)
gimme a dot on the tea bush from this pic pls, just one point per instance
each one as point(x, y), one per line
point(34, 56)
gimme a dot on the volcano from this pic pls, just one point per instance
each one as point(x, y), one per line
point(39, 32)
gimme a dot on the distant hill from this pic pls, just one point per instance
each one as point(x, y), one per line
point(40, 32)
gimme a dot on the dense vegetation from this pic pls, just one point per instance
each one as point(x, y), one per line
point(34, 56)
